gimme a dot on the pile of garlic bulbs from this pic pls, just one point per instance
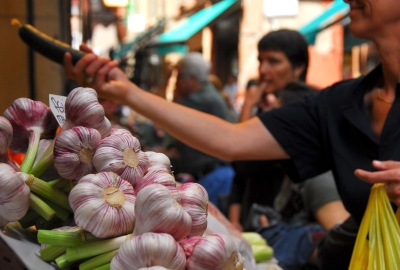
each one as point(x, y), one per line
point(128, 210)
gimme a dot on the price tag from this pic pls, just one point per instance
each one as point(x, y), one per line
point(57, 106)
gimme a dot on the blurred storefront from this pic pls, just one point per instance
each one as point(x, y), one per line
point(149, 36)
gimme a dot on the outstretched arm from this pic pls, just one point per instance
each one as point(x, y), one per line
point(210, 134)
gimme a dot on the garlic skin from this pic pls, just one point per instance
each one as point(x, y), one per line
point(28, 116)
point(82, 108)
point(157, 211)
point(219, 249)
point(31, 121)
point(156, 176)
point(158, 161)
point(6, 134)
point(194, 199)
point(103, 204)
point(154, 268)
point(14, 195)
point(121, 154)
point(74, 150)
point(149, 249)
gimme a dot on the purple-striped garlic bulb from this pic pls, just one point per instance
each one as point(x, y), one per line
point(149, 250)
point(14, 195)
point(154, 268)
point(194, 199)
point(159, 177)
point(6, 134)
point(31, 121)
point(103, 204)
point(219, 249)
point(158, 161)
point(157, 211)
point(82, 108)
point(74, 150)
point(122, 154)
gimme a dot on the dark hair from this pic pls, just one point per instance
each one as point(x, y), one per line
point(291, 43)
point(294, 91)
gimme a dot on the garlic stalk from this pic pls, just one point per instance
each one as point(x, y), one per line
point(157, 176)
point(103, 204)
point(219, 249)
point(157, 211)
point(158, 161)
point(65, 236)
point(121, 154)
point(31, 121)
point(74, 150)
point(6, 134)
point(149, 249)
point(194, 199)
point(14, 195)
point(81, 109)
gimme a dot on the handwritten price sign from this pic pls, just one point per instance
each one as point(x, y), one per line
point(57, 106)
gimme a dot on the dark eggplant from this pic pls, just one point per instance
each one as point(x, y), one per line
point(47, 46)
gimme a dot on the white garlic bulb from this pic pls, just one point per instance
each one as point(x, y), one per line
point(73, 152)
point(14, 195)
point(194, 199)
point(82, 108)
point(154, 268)
point(103, 204)
point(156, 176)
point(219, 249)
point(157, 211)
point(6, 134)
point(158, 161)
point(121, 154)
point(149, 249)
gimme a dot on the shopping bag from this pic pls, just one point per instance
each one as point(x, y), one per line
point(378, 240)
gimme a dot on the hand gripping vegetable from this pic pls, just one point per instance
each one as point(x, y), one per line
point(74, 150)
point(14, 195)
point(31, 121)
point(6, 134)
point(121, 154)
point(149, 249)
point(103, 204)
point(157, 211)
point(194, 199)
point(219, 249)
point(45, 45)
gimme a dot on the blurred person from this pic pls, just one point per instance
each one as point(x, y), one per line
point(231, 87)
point(349, 127)
point(218, 85)
point(194, 90)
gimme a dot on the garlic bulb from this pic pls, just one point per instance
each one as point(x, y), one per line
point(149, 249)
point(158, 161)
point(31, 121)
point(6, 134)
point(158, 177)
point(14, 195)
point(219, 249)
point(154, 268)
point(74, 150)
point(121, 154)
point(194, 199)
point(82, 108)
point(157, 211)
point(103, 204)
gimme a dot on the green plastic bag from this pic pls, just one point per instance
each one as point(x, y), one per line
point(378, 240)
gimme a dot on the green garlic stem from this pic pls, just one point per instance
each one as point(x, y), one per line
point(41, 207)
point(98, 261)
point(30, 154)
point(50, 253)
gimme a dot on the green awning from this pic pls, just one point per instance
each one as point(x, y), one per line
point(178, 36)
point(310, 30)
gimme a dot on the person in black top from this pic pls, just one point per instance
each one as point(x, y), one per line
point(351, 128)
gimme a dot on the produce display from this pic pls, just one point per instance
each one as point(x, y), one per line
point(96, 199)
